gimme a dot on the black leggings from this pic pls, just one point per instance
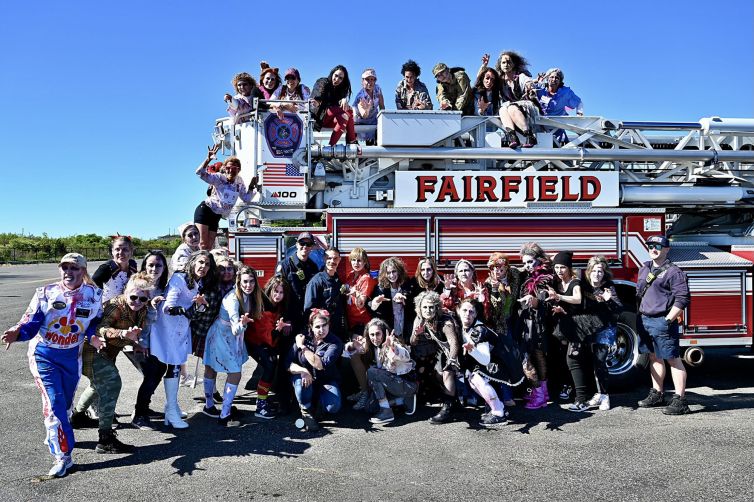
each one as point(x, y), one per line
point(153, 371)
point(590, 363)
point(266, 359)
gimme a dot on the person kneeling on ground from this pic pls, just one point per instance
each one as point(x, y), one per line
point(313, 364)
point(393, 372)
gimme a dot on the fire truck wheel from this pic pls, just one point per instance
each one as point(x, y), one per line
point(624, 362)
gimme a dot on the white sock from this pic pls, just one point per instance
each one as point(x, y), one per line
point(398, 401)
point(384, 403)
point(209, 391)
point(228, 396)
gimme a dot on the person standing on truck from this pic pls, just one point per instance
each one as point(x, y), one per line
point(662, 292)
point(227, 188)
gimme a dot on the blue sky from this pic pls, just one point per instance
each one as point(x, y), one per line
point(106, 108)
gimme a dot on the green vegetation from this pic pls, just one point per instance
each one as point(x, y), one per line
point(15, 248)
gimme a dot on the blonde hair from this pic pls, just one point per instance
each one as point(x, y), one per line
point(360, 254)
point(598, 260)
point(139, 281)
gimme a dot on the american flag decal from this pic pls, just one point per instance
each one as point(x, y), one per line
point(282, 175)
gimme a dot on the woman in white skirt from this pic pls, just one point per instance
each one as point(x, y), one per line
point(170, 339)
point(225, 351)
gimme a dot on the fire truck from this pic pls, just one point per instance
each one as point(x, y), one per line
point(440, 184)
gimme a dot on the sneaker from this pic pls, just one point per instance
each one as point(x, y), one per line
point(93, 412)
point(187, 380)
point(61, 466)
point(578, 407)
point(677, 406)
point(384, 416)
point(217, 397)
point(492, 419)
point(264, 410)
point(595, 400)
point(409, 404)
point(356, 396)
point(605, 404)
point(211, 411)
point(229, 421)
point(309, 421)
point(565, 392)
point(80, 420)
point(109, 443)
point(142, 422)
point(653, 399)
point(362, 402)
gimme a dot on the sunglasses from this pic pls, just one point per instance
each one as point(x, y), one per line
point(656, 247)
point(71, 268)
point(306, 244)
point(142, 299)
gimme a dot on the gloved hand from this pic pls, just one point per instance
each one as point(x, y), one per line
point(177, 310)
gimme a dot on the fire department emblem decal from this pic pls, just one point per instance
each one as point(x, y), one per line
point(283, 136)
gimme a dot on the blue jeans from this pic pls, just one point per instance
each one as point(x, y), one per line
point(327, 395)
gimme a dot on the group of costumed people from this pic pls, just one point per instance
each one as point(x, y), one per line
point(388, 341)
point(395, 341)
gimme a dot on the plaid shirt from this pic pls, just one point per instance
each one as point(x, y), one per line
point(201, 321)
point(117, 316)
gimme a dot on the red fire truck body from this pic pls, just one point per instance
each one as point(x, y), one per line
point(444, 187)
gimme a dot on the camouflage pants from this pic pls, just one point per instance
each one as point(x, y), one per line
point(104, 382)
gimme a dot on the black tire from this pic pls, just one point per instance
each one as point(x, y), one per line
point(625, 364)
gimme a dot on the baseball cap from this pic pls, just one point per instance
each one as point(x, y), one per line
point(305, 237)
point(74, 258)
point(658, 239)
point(292, 72)
point(439, 68)
point(369, 72)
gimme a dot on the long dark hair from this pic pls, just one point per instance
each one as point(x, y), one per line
point(520, 64)
point(162, 281)
point(479, 84)
point(346, 84)
point(282, 306)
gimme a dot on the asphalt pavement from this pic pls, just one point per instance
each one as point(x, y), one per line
point(550, 454)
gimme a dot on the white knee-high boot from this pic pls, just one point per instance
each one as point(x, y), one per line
point(172, 411)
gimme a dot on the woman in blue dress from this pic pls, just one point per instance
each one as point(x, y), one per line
point(225, 351)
